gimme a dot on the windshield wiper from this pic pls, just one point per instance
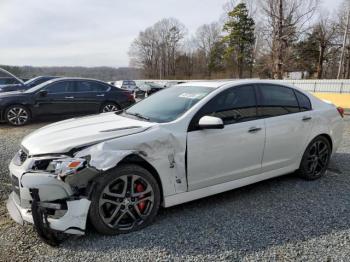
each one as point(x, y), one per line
point(138, 115)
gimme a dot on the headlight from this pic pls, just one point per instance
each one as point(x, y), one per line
point(20, 157)
point(66, 166)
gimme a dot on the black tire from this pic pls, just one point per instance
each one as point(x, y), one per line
point(316, 158)
point(109, 107)
point(17, 115)
point(124, 209)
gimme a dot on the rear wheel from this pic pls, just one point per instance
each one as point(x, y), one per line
point(17, 115)
point(315, 159)
point(125, 199)
point(109, 107)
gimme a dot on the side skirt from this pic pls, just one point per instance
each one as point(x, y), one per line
point(216, 189)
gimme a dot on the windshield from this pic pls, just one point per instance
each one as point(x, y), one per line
point(30, 80)
point(38, 87)
point(169, 104)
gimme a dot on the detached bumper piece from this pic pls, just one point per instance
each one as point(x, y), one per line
point(41, 224)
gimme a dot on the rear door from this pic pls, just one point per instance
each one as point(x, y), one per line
point(58, 100)
point(220, 155)
point(288, 125)
point(90, 95)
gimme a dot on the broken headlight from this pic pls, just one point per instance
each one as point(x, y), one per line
point(66, 166)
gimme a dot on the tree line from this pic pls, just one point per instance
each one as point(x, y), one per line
point(103, 72)
point(253, 38)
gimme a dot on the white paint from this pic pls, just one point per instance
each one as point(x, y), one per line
point(218, 159)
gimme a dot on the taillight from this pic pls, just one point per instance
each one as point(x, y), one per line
point(130, 96)
point(341, 111)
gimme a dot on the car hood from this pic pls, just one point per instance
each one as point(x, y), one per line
point(63, 136)
point(6, 91)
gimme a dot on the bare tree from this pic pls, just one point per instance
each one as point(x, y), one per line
point(324, 32)
point(156, 49)
point(206, 37)
point(344, 27)
point(286, 20)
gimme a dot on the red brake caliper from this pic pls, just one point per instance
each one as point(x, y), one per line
point(142, 204)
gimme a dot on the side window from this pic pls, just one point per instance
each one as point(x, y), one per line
point(88, 86)
point(60, 87)
point(304, 101)
point(237, 104)
point(276, 100)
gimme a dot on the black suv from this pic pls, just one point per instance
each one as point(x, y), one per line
point(62, 96)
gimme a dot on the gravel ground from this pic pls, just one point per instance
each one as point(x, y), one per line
point(280, 219)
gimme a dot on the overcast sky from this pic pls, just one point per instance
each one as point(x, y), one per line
point(91, 32)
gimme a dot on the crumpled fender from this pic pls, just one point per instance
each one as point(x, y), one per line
point(158, 146)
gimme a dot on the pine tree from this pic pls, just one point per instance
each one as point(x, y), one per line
point(239, 39)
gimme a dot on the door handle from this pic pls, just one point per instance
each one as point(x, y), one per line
point(254, 129)
point(306, 118)
point(100, 95)
point(69, 97)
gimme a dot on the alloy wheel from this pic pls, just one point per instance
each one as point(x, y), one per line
point(17, 116)
point(126, 202)
point(109, 108)
point(317, 158)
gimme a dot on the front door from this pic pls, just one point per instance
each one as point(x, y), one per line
point(217, 156)
point(59, 99)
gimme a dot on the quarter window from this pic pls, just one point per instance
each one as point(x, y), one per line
point(277, 100)
point(304, 101)
point(237, 104)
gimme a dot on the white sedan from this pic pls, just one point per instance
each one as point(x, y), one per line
point(181, 144)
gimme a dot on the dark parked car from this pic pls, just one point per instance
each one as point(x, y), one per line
point(62, 96)
point(172, 83)
point(9, 82)
point(150, 87)
point(26, 85)
point(129, 85)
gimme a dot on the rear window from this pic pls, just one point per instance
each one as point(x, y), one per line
point(89, 86)
point(277, 100)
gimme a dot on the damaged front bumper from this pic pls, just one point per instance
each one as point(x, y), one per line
point(72, 222)
point(63, 212)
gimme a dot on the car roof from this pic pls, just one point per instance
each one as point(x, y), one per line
point(75, 78)
point(220, 83)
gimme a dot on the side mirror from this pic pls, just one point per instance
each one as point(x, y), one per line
point(211, 122)
point(42, 93)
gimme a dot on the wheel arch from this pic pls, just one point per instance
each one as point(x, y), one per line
point(328, 137)
point(138, 160)
point(312, 138)
point(109, 101)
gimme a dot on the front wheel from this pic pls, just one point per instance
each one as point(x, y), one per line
point(17, 115)
point(315, 159)
point(125, 199)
